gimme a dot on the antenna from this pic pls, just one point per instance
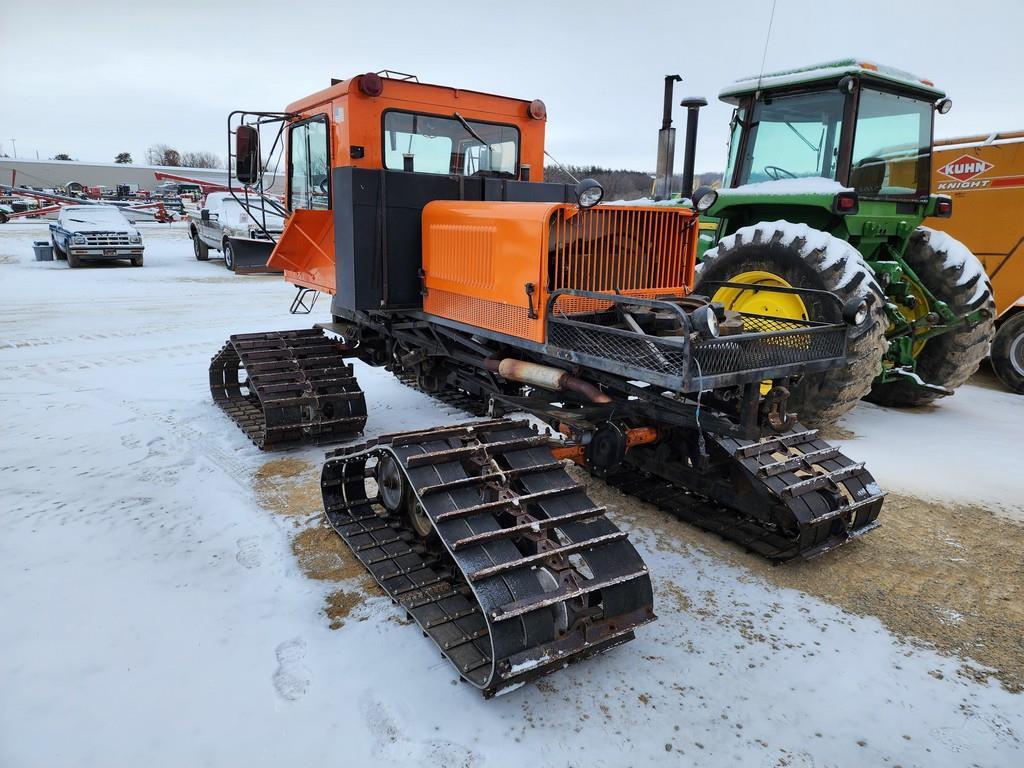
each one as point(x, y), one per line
point(767, 37)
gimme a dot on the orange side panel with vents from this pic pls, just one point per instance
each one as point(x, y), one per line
point(478, 258)
point(305, 250)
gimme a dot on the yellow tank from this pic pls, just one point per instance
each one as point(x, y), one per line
point(984, 175)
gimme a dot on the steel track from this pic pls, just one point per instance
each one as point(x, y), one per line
point(798, 495)
point(297, 388)
point(521, 573)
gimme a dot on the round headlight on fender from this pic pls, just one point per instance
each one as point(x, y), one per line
point(705, 321)
point(589, 193)
point(704, 198)
point(855, 310)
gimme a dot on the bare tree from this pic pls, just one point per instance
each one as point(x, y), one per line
point(162, 154)
point(123, 157)
point(61, 156)
point(200, 160)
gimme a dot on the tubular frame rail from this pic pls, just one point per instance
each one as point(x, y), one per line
point(674, 357)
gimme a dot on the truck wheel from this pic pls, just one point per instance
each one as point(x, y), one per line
point(1008, 353)
point(73, 261)
point(201, 249)
point(137, 261)
point(57, 252)
point(954, 275)
point(780, 254)
point(229, 255)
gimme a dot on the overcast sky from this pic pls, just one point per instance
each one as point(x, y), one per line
point(96, 78)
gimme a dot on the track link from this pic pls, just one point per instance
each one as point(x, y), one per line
point(793, 494)
point(297, 388)
point(520, 573)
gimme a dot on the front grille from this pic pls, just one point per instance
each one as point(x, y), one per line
point(631, 250)
point(106, 239)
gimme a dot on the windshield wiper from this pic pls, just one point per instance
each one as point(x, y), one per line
point(803, 138)
point(470, 131)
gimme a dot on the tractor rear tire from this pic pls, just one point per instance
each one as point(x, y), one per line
point(954, 275)
point(1008, 353)
point(805, 257)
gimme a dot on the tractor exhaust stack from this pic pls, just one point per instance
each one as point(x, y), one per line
point(693, 105)
point(666, 144)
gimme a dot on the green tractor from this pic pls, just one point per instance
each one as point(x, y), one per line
point(826, 186)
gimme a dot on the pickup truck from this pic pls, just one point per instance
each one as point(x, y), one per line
point(95, 233)
point(224, 225)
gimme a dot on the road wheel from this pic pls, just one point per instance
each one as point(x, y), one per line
point(137, 261)
point(954, 275)
point(201, 249)
point(1008, 353)
point(229, 256)
point(398, 498)
point(73, 261)
point(780, 254)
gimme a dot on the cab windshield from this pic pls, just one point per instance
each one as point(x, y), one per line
point(436, 144)
point(798, 136)
point(793, 137)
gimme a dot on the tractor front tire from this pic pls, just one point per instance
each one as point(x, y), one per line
point(804, 257)
point(954, 275)
point(1008, 353)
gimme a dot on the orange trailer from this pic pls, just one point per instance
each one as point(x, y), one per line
point(984, 175)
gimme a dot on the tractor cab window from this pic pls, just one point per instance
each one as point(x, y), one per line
point(309, 168)
point(892, 145)
point(793, 137)
point(436, 144)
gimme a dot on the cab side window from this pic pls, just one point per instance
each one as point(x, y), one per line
point(309, 168)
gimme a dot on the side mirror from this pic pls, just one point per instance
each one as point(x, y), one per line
point(204, 215)
point(247, 154)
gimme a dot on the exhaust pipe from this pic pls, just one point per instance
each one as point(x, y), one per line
point(666, 144)
point(546, 377)
point(693, 105)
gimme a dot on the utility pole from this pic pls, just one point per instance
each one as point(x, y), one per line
point(14, 149)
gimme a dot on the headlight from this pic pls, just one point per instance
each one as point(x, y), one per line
point(704, 198)
point(135, 239)
point(705, 321)
point(855, 311)
point(78, 239)
point(589, 193)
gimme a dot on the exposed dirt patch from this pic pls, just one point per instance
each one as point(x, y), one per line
point(289, 486)
point(339, 605)
point(835, 432)
point(323, 556)
point(950, 576)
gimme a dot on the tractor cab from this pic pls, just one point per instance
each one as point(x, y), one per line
point(866, 126)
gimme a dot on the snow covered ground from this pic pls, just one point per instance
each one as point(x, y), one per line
point(152, 611)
